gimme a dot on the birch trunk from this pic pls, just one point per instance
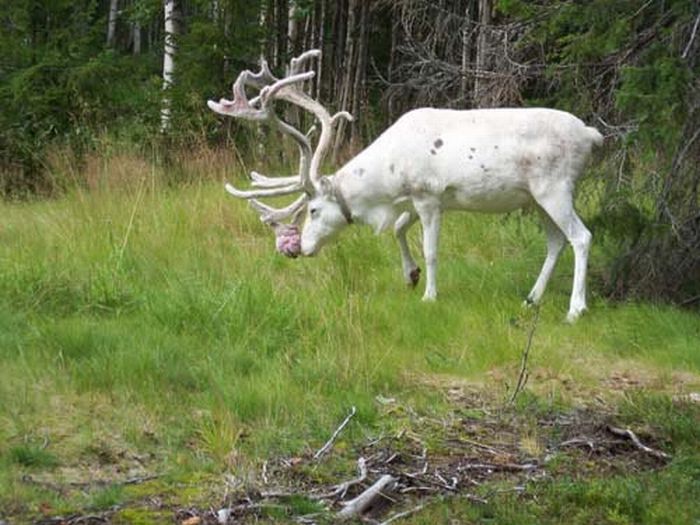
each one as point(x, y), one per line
point(292, 29)
point(136, 37)
point(169, 54)
point(262, 24)
point(112, 22)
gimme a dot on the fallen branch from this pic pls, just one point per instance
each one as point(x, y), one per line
point(578, 442)
point(505, 467)
point(361, 503)
point(627, 433)
point(137, 480)
point(338, 430)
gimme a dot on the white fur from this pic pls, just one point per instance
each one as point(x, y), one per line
point(490, 160)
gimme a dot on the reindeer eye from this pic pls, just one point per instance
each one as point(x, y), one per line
point(313, 211)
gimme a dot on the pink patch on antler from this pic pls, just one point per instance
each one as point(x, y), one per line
point(288, 240)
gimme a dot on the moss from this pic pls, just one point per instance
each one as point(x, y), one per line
point(141, 516)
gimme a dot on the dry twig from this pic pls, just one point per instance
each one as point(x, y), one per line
point(523, 375)
point(337, 432)
point(627, 433)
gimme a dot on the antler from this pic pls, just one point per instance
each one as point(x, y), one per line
point(261, 108)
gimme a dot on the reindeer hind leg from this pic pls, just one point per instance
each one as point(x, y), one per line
point(558, 205)
point(555, 244)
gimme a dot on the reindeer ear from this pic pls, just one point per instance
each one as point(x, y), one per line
point(325, 186)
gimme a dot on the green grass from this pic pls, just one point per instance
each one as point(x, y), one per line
point(158, 323)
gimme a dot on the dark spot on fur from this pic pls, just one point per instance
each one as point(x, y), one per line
point(360, 171)
point(433, 152)
point(473, 149)
point(471, 156)
point(438, 143)
point(495, 147)
point(483, 167)
point(391, 168)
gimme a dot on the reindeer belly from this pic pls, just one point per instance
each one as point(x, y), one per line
point(489, 194)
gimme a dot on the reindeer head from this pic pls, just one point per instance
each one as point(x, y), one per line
point(326, 214)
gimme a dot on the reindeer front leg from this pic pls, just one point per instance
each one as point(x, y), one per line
point(411, 271)
point(429, 212)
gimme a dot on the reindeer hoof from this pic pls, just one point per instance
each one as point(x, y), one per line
point(574, 315)
point(415, 276)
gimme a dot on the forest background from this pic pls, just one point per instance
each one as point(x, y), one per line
point(86, 76)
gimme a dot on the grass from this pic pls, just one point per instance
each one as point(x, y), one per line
point(149, 328)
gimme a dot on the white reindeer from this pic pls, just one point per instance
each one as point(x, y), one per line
point(428, 162)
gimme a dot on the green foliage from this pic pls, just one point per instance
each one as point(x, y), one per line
point(107, 498)
point(656, 95)
point(32, 456)
point(61, 86)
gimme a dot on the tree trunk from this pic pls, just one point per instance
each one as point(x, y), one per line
point(292, 28)
point(360, 69)
point(320, 42)
point(466, 51)
point(338, 31)
point(281, 15)
point(344, 91)
point(263, 20)
point(136, 37)
point(481, 83)
point(112, 22)
point(169, 54)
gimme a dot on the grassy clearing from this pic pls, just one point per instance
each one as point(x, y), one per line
point(146, 329)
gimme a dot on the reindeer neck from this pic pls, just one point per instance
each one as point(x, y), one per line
point(366, 191)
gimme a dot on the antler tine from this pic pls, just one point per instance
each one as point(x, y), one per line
point(240, 106)
point(268, 93)
point(270, 215)
point(297, 62)
point(266, 192)
point(261, 181)
point(263, 77)
point(342, 114)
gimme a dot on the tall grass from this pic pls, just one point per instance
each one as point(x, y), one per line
point(150, 318)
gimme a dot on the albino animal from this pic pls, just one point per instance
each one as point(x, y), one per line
point(428, 162)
